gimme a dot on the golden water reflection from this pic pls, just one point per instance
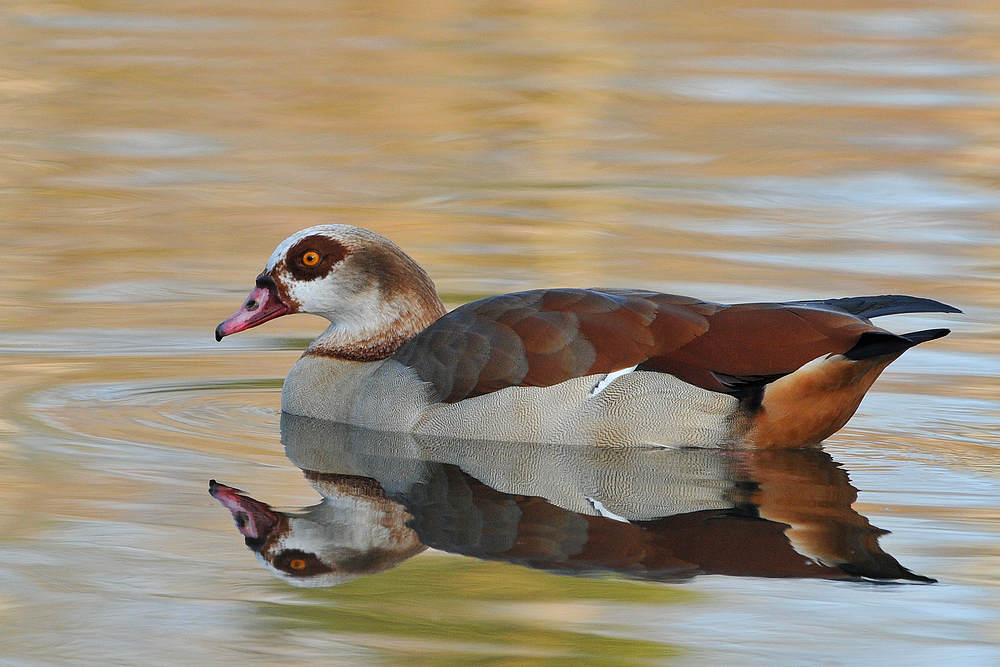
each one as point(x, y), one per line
point(154, 154)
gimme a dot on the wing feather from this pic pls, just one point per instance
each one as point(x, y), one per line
point(543, 337)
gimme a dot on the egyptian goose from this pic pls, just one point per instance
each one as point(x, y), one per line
point(660, 514)
point(566, 365)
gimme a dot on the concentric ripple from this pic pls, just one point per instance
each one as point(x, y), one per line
point(216, 416)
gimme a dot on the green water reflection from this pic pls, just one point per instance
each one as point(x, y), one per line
point(445, 611)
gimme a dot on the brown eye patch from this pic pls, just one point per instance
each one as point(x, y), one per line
point(313, 256)
point(300, 563)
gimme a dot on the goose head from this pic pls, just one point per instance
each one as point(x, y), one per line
point(374, 295)
point(354, 531)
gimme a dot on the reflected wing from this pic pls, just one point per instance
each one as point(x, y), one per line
point(543, 337)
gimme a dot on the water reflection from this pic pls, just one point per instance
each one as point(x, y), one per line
point(750, 90)
point(655, 514)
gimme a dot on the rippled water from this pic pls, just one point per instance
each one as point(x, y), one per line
point(153, 157)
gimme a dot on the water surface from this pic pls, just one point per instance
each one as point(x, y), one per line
point(154, 156)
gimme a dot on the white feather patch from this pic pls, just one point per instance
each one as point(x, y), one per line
point(604, 511)
point(609, 378)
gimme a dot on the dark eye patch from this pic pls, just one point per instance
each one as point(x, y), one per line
point(299, 563)
point(330, 252)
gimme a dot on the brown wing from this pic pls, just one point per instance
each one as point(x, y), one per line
point(543, 337)
point(754, 343)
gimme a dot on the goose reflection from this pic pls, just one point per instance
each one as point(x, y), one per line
point(654, 514)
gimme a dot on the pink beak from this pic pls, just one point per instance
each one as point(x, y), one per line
point(262, 305)
point(254, 519)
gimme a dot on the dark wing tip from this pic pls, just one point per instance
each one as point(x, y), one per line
point(942, 307)
point(884, 570)
point(886, 304)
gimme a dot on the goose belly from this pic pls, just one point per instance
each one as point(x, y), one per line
point(639, 408)
point(636, 409)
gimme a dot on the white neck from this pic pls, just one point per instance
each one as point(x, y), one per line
point(378, 325)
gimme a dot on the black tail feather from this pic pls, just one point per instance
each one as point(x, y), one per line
point(878, 343)
point(883, 567)
point(918, 337)
point(886, 304)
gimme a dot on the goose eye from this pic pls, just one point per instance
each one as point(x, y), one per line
point(297, 564)
point(310, 258)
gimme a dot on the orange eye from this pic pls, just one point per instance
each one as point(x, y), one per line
point(310, 258)
point(297, 564)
